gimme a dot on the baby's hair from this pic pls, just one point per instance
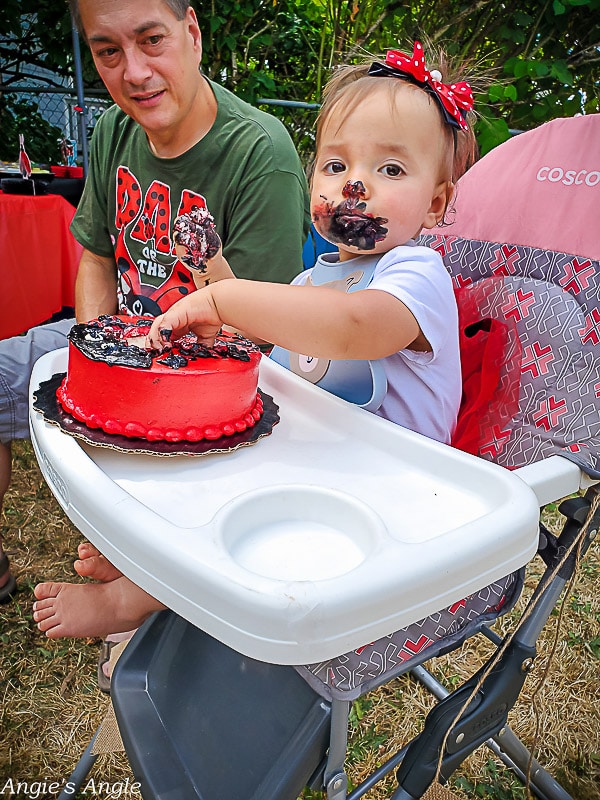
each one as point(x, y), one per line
point(350, 84)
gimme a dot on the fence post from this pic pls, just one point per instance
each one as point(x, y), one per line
point(81, 115)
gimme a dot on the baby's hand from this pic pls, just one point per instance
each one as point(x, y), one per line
point(196, 313)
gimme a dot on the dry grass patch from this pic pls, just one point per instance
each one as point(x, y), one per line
point(50, 705)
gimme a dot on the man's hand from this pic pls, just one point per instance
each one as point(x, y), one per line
point(198, 247)
point(196, 238)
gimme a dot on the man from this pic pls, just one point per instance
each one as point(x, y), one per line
point(173, 141)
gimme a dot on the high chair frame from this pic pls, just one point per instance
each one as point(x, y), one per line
point(484, 721)
point(474, 714)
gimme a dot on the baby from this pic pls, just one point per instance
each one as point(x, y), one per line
point(377, 320)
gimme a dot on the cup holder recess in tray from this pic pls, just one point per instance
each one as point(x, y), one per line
point(299, 532)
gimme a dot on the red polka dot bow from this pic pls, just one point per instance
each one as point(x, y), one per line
point(454, 99)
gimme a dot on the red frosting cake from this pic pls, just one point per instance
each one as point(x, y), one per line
point(187, 393)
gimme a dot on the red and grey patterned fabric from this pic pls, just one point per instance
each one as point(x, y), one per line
point(553, 302)
point(538, 189)
point(361, 670)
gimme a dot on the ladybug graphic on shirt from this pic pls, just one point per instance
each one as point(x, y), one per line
point(150, 278)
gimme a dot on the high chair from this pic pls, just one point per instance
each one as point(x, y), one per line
point(243, 691)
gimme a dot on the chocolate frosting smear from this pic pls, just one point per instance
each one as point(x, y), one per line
point(104, 340)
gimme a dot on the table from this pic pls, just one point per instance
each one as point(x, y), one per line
point(38, 258)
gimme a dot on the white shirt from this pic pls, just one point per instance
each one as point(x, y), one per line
point(423, 388)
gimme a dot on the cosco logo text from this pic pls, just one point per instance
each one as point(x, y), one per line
point(569, 177)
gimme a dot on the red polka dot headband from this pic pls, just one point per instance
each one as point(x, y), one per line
point(454, 99)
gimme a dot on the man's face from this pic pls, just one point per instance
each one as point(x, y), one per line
point(148, 60)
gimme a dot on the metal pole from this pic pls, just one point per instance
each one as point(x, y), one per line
point(288, 104)
point(81, 112)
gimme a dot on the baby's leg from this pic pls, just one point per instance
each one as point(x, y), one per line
point(91, 609)
point(92, 564)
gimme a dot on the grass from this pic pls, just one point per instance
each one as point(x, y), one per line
point(50, 705)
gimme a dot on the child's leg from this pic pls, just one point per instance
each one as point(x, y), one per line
point(91, 609)
point(92, 564)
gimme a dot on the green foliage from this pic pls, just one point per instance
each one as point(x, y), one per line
point(261, 48)
point(36, 45)
point(500, 784)
point(491, 131)
point(39, 31)
point(541, 58)
point(40, 137)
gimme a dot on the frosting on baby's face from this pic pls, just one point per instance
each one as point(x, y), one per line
point(380, 171)
point(348, 223)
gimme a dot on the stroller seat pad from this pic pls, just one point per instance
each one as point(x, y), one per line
point(551, 300)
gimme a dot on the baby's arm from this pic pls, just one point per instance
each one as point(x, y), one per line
point(312, 320)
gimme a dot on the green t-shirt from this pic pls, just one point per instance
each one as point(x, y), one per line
point(245, 170)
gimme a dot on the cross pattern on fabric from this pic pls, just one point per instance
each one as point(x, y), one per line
point(553, 299)
point(551, 304)
point(354, 673)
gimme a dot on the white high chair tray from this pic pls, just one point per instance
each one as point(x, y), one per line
point(336, 529)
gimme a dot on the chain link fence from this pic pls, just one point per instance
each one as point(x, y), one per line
point(65, 118)
point(44, 105)
point(59, 109)
point(47, 107)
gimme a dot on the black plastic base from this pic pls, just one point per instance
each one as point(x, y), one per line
point(200, 720)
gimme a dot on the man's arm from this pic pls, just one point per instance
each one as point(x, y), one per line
point(96, 287)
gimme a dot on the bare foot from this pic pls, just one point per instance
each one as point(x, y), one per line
point(91, 609)
point(92, 564)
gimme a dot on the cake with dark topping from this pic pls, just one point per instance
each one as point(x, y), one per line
point(187, 393)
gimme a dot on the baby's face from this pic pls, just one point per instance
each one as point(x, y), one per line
point(381, 172)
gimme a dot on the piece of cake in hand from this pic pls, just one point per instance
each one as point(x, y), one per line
point(196, 238)
point(189, 393)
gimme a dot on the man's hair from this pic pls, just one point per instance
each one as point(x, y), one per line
point(178, 7)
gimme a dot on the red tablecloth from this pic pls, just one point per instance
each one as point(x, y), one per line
point(38, 260)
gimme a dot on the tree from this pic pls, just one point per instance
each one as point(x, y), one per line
point(544, 55)
point(35, 49)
